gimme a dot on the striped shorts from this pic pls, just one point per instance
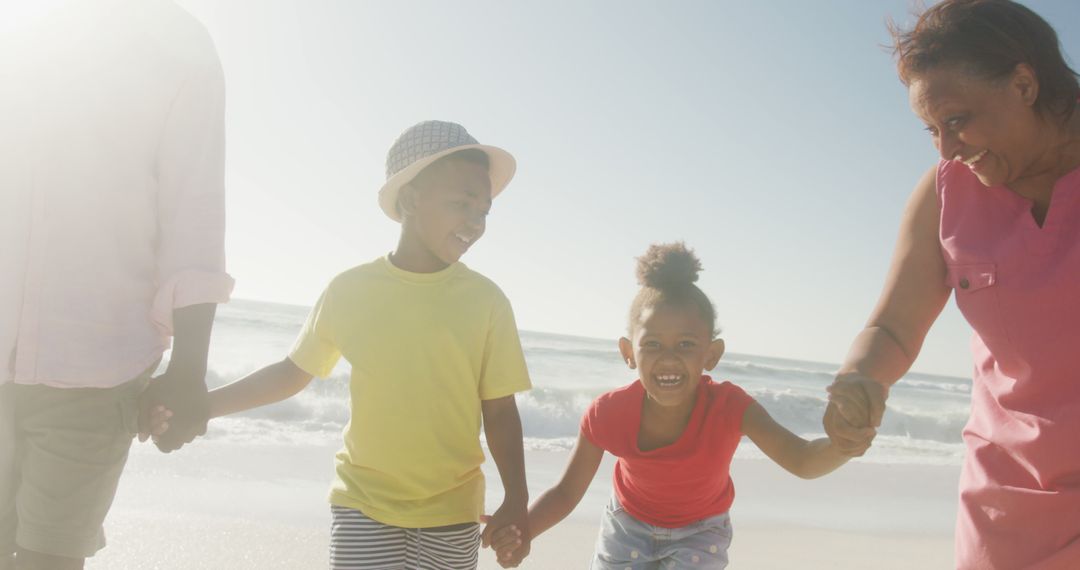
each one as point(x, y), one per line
point(360, 543)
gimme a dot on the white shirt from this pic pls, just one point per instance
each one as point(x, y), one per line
point(111, 188)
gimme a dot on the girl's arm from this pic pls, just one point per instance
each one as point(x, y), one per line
point(553, 505)
point(267, 385)
point(558, 501)
point(806, 459)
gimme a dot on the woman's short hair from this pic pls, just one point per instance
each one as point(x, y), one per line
point(988, 38)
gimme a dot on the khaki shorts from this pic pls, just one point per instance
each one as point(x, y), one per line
point(61, 455)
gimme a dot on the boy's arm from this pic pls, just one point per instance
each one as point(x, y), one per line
point(806, 459)
point(502, 426)
point(267, 385)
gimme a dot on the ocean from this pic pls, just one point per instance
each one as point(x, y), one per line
point(922, 425)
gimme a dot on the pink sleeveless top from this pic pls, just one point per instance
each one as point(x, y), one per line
point(1018, 285)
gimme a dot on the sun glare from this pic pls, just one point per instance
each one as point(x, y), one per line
point(19, 15)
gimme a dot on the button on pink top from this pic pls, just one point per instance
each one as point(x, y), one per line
point(1018, 285)
point(111, 189)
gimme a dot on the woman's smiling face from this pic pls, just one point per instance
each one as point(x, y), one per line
point(990, 126)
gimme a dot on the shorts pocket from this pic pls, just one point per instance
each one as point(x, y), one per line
point(128, 401)
point(719, 525)
point(723, 529)
point(129, 416)
point(614, 508)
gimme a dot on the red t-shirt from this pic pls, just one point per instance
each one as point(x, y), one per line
point(681, 483)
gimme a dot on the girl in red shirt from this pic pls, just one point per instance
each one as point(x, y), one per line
point(674, 431)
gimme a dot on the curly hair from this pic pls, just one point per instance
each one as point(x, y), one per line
point(988, 38)
point(667, 273)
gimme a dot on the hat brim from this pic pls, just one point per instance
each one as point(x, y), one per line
point(501, 168)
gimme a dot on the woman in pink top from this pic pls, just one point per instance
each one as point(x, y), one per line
point(998, 222)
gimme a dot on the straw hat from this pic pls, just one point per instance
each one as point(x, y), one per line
point(424, 143)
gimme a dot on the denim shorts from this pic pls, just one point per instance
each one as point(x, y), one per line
point(626, 543)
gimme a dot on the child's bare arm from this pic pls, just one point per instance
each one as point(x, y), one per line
point(502, 426)
point(806, 459)
point(558, 502)
point(554, 504)
point(266, 385)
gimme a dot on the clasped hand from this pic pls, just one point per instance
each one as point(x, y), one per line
point(856, 407)
point(174, 410)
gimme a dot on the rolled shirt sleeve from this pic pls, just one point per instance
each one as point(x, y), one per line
point(113, 175)
point(191, 199)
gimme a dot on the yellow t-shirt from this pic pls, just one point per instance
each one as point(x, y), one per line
point(425, 349)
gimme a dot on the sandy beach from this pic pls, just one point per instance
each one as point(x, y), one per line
point(220, 504)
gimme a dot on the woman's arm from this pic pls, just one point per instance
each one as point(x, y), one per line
point(911, 300)
point(267, 385)
point(806, 459)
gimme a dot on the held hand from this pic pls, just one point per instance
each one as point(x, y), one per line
point(844, 437)
point(153, 421)
point(856, 406)
point(505, 542)
point(507, 531)
point(186, 398)
point(861, 400)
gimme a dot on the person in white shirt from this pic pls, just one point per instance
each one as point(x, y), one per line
point(112, 223)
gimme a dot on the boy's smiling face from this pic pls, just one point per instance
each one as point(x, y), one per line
point(446, 212)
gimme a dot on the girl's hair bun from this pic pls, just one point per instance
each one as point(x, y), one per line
point(668, 266)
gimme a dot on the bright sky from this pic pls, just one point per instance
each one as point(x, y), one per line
point(773, 137)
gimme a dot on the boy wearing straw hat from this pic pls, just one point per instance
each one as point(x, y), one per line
point(433, 348)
